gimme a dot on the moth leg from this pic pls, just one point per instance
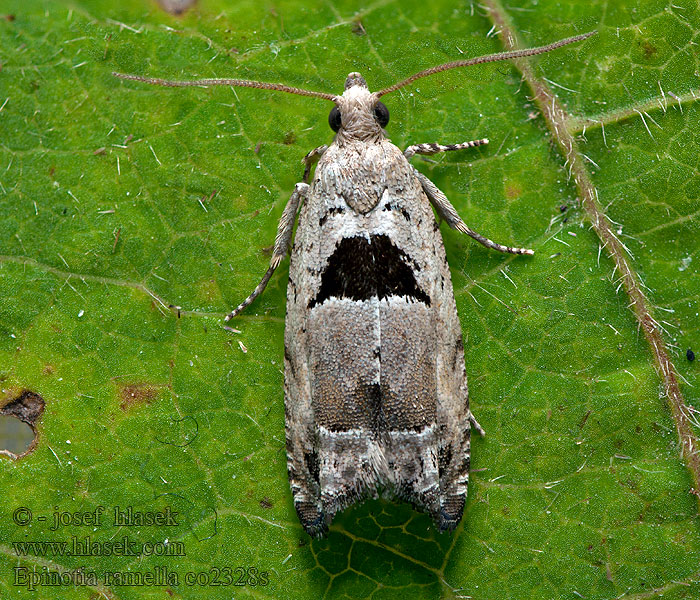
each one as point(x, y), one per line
point(448, 213)
point(435, 148)
point(283, 239)
point(475, 424)
point(311, 159)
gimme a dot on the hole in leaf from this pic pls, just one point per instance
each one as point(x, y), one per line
point(15, 436)
point(18, 420)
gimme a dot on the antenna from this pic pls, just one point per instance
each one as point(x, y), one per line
point(230, 82)
point(485, 59)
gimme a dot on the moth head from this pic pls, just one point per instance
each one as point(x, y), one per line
point(358, 113)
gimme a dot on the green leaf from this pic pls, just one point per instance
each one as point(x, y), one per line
point(118, 199)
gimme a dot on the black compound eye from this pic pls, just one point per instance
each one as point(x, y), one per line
point(334, 118)
point(381, 114)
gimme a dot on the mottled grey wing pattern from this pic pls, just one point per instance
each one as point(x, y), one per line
point(375, 385)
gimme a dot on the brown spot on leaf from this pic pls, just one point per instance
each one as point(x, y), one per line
point(48, 370)
point(9, 18)
point(649, 49)
point(137, 394)
point(289, 138)
point(266, 502)
point(513, 191)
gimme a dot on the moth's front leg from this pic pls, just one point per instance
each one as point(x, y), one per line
point(285, 227)
point(435, 148)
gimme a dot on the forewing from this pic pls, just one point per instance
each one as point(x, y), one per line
point(375, 386)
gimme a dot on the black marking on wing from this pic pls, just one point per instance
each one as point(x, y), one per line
point(373, 397)
point(402, 210)
point(361, 268)
point(334, 210)
point(312, 464)
point(444, 459)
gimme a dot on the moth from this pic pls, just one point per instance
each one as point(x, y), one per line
point(375, 381)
